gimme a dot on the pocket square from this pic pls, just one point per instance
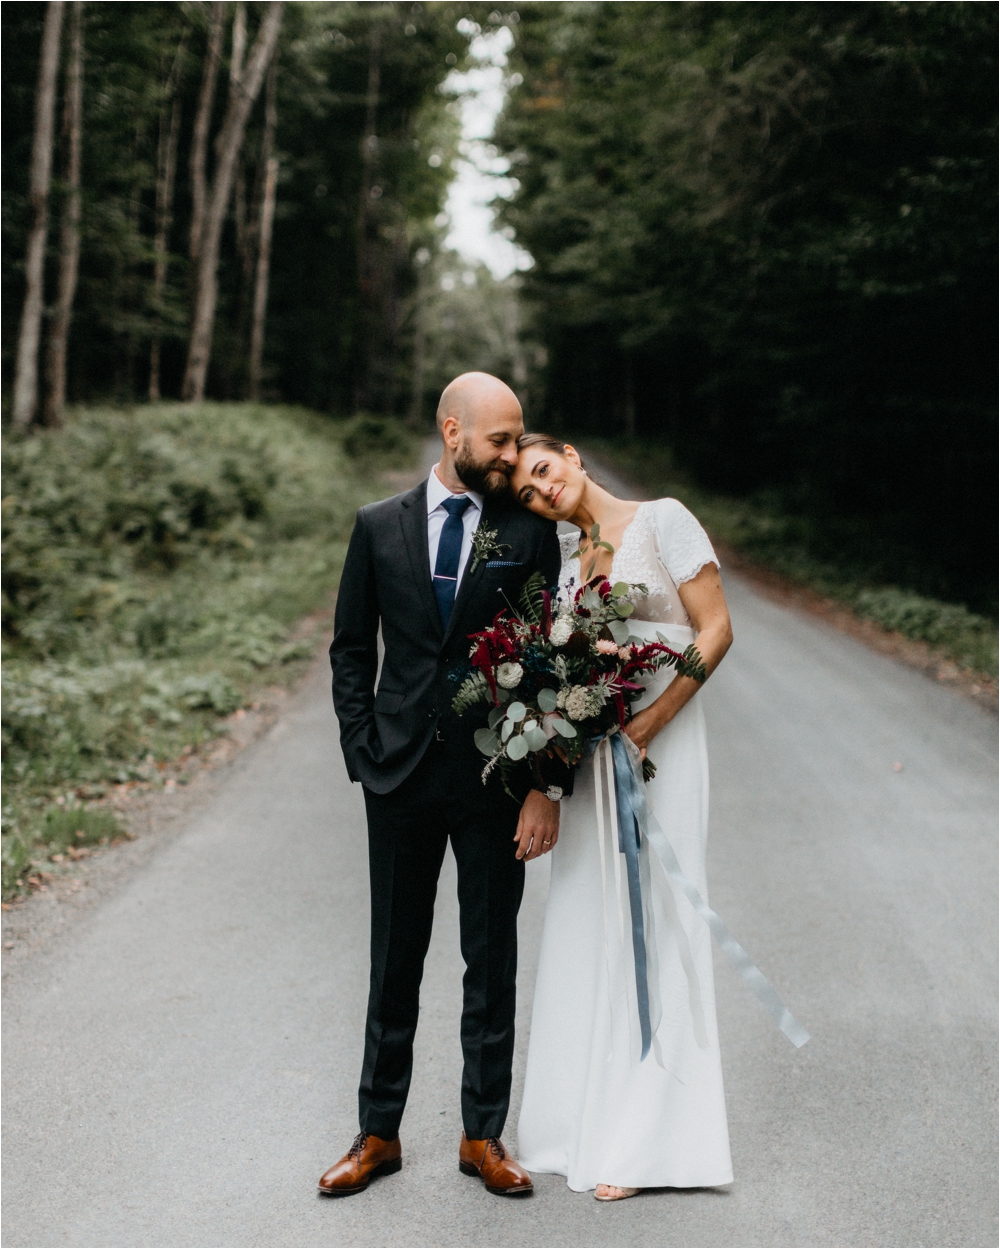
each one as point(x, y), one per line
point(504, 563)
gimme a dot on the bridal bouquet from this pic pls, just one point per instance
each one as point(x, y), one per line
point(560, 678)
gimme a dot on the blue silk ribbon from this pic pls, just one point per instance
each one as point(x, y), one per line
point(635, 821)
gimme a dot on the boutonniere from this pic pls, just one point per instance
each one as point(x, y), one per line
point(485, 544)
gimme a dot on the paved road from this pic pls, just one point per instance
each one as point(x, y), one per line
point(181, 1071)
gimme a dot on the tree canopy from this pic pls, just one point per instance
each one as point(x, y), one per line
point(359, 116)
point(766, 234)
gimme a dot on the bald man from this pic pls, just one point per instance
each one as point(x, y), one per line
point(408, 571)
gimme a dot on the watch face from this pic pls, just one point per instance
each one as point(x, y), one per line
point(554, 793)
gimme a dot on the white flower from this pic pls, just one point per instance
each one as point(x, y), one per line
point(578, 704)
point(509, 675)
point(607, 648)
point(625, 652)
point(561, 630)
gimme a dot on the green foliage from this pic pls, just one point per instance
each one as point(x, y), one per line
point(65, 826)
point(764, 234)
point(473, 691)
point(336, 335)
point(532, 601)
point(154, 562)
point(378, 437)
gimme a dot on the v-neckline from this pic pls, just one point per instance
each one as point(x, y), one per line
point(621, 541)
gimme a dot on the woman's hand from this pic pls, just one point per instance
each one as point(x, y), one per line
point(643, 727)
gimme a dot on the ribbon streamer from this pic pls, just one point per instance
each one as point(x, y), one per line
point(635, 821)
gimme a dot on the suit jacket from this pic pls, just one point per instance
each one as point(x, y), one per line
point(387, 582)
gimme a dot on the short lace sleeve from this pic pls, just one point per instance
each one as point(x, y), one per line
point(682, 544)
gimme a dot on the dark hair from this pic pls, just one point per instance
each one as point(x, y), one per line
point(550, 444)
point(541, 440)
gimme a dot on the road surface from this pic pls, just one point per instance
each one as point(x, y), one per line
point(181, 1068)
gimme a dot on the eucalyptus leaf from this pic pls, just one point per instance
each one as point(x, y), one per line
point(625, 609)
point(535, 738)
point(495, 716)
point(619, 631)
point(516, 712)
point(595, 532)
point(486, 741)
point(517, 747)
point(619, 589)
point(564, 728)
point(508, 728)
point(547, 700)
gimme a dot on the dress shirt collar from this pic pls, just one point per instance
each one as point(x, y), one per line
point(437, 492)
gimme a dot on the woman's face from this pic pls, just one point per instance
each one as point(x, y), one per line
point(549, 483)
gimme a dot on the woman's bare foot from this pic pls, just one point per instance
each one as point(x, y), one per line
point(612, 1192)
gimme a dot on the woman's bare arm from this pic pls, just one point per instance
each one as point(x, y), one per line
point(705, 603)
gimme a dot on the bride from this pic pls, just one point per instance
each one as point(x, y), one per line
point(592, 1111)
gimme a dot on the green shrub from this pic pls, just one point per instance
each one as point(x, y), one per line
point(368, 437)
point(154, 561)
point(968, 639)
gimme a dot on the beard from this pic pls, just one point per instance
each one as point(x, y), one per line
point(486, 477)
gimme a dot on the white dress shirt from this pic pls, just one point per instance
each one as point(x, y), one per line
point(437, 492)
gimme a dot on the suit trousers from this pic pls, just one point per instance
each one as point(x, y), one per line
point(408, 832)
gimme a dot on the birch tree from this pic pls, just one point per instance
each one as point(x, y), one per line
point(69, 241)
point(202, 124)
point(26, 375)
point(227, 146)
point(166, 173)
point(270, 164)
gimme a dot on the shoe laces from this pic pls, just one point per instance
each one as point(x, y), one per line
point(495, 1144)
point(360, 1141)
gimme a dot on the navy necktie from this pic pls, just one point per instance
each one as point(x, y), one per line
point(449, 550)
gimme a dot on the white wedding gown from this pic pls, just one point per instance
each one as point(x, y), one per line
point(591, 1110)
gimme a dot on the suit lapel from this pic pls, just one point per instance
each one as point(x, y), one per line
point(492, 518)
point(413, 522)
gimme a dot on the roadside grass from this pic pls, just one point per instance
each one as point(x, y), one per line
point(156, 561)
point(761, 532)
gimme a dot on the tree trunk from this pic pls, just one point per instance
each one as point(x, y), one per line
point(419, 349)
point(243, 248)
point(166, 171)
point(199, 136)
point(266, 228)
point(227, 149)
point(366, 251)
point(26, 375)
point(69, 240)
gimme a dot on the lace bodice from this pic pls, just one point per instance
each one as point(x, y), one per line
point(662, 547)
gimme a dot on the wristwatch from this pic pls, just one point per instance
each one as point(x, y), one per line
point(554, 793)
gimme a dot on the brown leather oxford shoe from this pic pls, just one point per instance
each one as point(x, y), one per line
point(368, 1156)
point(495, 1167)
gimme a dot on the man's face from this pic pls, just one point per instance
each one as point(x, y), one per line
point(487, 452)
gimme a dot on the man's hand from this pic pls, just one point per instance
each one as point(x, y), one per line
point(538, 826)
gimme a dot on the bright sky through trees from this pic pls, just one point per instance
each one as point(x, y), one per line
point(479, 170)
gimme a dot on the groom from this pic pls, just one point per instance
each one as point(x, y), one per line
point(415, 568)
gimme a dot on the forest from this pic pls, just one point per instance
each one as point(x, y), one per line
point(759, 253)
point(764, 234)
